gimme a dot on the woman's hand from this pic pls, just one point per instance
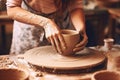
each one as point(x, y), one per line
point(78, 20)
point(53, 35)
point(81, 45)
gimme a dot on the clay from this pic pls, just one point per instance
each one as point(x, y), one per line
point(13, 74)
point(72, 38)
point(108, 43)
point(47, 59)
point(106, 75)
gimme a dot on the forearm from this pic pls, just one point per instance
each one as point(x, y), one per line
point(78, 19)
point(24, 16)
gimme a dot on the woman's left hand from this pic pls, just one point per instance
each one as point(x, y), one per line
point(81, 45)
point(78, 20)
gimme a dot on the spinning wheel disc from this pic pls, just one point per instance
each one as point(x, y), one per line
point(47, 58)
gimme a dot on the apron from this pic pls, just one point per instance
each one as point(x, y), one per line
point(27, 36)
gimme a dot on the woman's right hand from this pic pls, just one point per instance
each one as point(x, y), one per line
point(53, 35)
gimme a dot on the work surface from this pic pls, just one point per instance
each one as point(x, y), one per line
point(9, 61)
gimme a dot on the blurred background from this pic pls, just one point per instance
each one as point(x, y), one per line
point(102, 21)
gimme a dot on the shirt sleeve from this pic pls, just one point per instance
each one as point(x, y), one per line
point(12, 3)
point(75, 4)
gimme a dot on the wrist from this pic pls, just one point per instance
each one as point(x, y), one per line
point(46, 23)
point(43, 22)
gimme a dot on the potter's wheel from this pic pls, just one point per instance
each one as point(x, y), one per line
point(46, 59)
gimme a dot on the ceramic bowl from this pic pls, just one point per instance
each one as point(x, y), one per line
point(71, 38)
point(13, 74)
point(106, 75)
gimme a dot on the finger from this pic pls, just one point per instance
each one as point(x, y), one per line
point(83, 42)
point(78, 49)
point(62, 41)
point(57, 43)
point(52, 42)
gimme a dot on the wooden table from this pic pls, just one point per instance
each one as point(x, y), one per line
point(115, 52)
point(115, 12)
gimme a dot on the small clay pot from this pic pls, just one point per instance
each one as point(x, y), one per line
point(13, 74)
point(106, 75)
point(108, 43)
point(71, 38)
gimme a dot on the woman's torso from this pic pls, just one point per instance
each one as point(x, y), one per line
point(27, 36)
